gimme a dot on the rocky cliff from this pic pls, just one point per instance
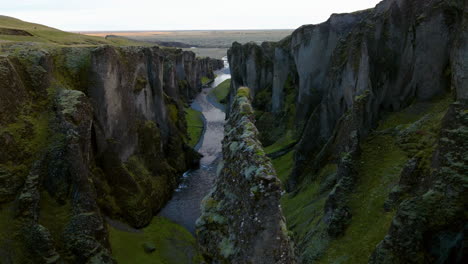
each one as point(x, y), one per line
point(242, 220)
point(88, 133)
point(365, 98)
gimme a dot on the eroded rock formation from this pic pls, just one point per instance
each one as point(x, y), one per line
point(89, 132)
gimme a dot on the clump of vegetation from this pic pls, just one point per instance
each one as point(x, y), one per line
point(140, 84)
point(244, 92)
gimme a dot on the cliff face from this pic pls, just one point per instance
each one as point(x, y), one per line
point(242, 220)
point(342, 88)
point(88, 133)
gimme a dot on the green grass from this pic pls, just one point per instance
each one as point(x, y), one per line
point(283, 142)
point(194, 125)
point(283, 166)
point(173, 243)
point(221, 91)
point(44, 34)
point(379, 168)
point(383, 156)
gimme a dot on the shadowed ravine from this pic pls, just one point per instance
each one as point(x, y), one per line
point(184, 207)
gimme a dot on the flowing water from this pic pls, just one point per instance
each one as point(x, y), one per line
point(184, 207)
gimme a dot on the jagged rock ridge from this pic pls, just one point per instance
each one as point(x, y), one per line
point(242, 220)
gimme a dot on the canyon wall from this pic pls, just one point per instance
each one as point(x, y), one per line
point(242, 220)
point(88, 133)
point(334, 89)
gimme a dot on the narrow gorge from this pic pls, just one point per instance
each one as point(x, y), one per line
point(344, 142)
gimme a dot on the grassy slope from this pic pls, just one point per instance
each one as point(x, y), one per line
point(283, 142)
point(194, 125)
point(48, 35)
point(173, 244)
point(380, 164)
point(221, 91)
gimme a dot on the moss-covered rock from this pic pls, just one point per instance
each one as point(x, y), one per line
point(241, 219)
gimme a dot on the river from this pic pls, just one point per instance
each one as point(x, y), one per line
point(184, 207)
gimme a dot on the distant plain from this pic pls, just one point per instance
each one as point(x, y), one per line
point(205, 43)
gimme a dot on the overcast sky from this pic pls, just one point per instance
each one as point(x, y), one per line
point(177, 14)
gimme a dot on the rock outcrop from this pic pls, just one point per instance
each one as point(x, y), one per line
point(242, 220)
point(88, 132)
point(334, 87)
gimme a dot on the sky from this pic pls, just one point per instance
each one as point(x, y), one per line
point(95, 15)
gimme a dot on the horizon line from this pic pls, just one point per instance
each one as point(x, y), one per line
point(171, 30)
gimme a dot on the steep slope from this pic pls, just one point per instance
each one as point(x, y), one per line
point(355, 112)
point(87, 133)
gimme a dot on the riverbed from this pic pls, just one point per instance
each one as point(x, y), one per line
point(184, 207)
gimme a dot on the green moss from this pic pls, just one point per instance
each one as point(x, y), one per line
point(173, 244)
point(71, 67)
point(173, 112)
point(194, 125)
point(140, 84)
point(221, 91)
point(243, 92)
point(30, 134)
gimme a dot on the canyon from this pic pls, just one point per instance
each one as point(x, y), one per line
point(344, 142)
